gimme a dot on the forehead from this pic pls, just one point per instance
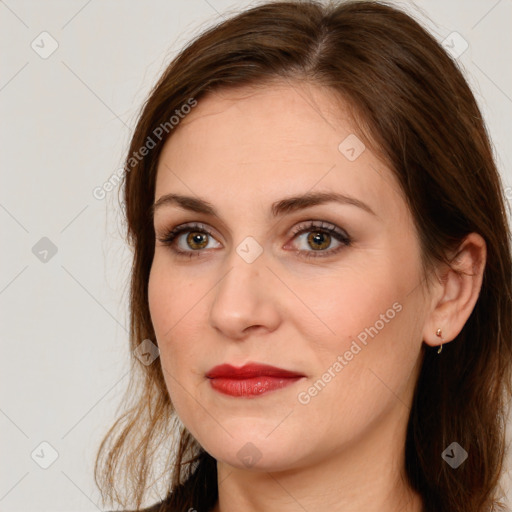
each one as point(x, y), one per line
point(278, 120)
point(259, 144)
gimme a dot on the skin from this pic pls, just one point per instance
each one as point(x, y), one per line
point(242, 150)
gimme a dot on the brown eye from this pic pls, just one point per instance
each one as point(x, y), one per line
point(321, 240)
point(319, 237)
point(196, 239)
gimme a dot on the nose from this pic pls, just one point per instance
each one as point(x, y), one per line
point(246, 299)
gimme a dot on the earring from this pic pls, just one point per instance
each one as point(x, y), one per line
point(438, 333)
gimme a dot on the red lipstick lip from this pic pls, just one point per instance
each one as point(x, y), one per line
point(226, 371)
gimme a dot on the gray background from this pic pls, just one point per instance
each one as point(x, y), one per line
point(66, 122)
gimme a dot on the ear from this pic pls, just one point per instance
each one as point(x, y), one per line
point(456, 291)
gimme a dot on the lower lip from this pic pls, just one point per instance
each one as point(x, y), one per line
point(255, 386)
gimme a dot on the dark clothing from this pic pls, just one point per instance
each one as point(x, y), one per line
point(157, 507)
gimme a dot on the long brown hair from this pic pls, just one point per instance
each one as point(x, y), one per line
point(417, 112)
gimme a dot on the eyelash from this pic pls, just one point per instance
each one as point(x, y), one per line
point(169, 238)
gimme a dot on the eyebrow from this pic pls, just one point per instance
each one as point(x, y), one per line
point(278, 208)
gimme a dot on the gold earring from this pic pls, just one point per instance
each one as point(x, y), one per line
point(438, 333)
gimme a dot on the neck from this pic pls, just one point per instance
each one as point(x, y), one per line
point(366, 476)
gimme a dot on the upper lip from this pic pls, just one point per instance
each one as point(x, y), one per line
point(250, 370)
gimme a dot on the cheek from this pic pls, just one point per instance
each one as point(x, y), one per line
point(172, 299)
point(364, 337)
point(169, 300)
point(371, 301)
point(166, 310)
point(177, 309)
point(343, 306)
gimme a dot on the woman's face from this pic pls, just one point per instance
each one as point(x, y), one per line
point(271, 284)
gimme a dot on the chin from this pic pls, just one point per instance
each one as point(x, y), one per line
point(255, 452)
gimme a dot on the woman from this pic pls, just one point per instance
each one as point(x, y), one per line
point(322, 256)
